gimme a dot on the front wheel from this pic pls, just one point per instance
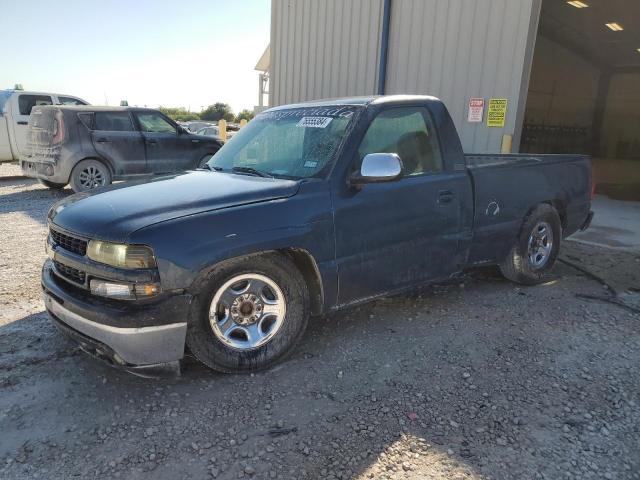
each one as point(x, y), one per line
point(536, 249)
point(89, 174)
point(249, 314)
point(204, 160)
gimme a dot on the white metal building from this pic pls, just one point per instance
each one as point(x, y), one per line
point(569, 70)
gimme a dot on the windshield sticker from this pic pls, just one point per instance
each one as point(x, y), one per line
point(299, 113)
point(314, 122)
point(310, 164)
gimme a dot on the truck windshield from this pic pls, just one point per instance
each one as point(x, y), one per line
point(290, 143)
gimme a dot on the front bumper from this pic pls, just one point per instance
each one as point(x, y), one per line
point(125, 334)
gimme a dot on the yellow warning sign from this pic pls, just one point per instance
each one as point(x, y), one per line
point(496, 112)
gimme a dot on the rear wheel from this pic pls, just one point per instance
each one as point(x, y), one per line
point(52, 185)
point(89, 174)
point(249, 315)
point(536, 249)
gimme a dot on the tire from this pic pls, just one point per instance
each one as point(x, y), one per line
point(220, 326)
point(534, 254)
point(52, 185)
point(89, 174)
point(204, 160)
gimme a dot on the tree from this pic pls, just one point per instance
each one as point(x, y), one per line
point(245, 115)
point(179, 113)
point(217, 111)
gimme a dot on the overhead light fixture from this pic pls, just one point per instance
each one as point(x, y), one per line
point(616, 27)
point(578, 4)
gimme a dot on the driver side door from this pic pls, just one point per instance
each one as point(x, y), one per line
point(168, 149)
point(402, 233)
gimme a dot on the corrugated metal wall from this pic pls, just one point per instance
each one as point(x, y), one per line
point(457, 49)
point(323, 49)
point(452, 49)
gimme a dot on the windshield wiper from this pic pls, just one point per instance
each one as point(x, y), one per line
point(251, 171)
point(212, 168)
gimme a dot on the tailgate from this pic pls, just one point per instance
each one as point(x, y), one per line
point(45, 135)
point(5, 146)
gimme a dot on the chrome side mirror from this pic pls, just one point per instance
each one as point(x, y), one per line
point(378, 168)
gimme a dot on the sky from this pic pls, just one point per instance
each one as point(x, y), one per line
point(189, 53)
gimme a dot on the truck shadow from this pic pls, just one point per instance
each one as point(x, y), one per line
point(27, 196)
point(430, 382)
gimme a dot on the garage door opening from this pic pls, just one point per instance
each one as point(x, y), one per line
point(584, 90)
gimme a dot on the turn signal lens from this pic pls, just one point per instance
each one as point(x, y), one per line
point(124, 291)
point(109, 289)
point(146, 289)
point(121, 255)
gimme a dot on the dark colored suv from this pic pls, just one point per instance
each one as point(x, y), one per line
point(88, 147)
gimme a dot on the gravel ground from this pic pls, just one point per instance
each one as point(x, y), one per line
point(475, 379)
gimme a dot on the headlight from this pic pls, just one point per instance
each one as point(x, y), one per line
point(121, 255)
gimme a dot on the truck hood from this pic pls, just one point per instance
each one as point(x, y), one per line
point(113, 213)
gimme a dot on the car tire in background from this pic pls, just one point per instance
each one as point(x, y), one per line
point(204, 160)
point(89, 174)
point(52, 185)
point(249, 314)
point(536, 249)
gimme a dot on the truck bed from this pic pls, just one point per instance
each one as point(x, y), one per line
point(506, 187)
point(479, 160)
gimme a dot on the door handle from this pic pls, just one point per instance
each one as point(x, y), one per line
point(102, 140)
point(195, 141)
point(445, 196)
point(151, 142)
point(22, 122)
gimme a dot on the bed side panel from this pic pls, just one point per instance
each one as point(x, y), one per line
point(507, 189)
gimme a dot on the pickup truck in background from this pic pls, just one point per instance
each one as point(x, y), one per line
point(15, 108)
point(89, 147)
point(309, 209)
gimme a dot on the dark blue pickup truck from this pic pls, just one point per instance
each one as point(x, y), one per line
point(308, 209)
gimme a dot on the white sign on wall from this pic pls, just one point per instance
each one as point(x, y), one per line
point(476, 110)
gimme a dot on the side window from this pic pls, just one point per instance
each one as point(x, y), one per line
point(113, 121)
point(27, 102)
point(70, 101)
point(154, 123)
point(408, 132)
point(86, 119)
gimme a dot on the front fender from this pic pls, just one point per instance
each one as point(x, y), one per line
point(188, 248)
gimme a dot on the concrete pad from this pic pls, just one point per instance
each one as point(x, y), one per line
point(616, 224)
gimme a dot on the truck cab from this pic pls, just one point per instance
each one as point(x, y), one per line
point(15, 108)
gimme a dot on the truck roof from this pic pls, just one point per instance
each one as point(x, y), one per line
point(363, 100)
point(9, 91)
point(99, 108)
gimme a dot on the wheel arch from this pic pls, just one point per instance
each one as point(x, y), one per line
point(301, 258)
point(311, 274)
point(104, 161)
point(561, 208)
point(558, 205)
